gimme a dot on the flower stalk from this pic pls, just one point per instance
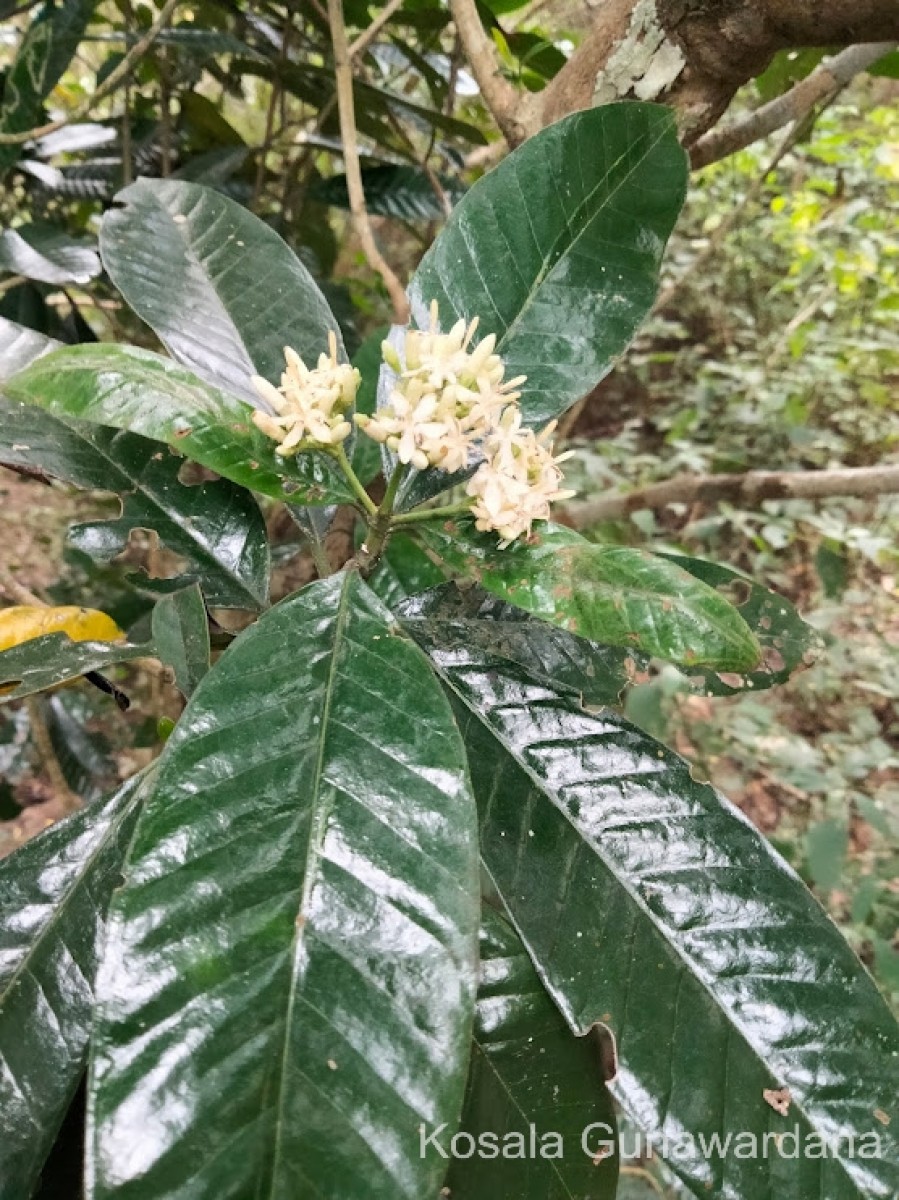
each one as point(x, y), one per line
point(450, 409)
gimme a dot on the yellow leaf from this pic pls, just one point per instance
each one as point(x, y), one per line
point(24, 622)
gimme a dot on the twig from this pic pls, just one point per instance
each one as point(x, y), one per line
point(503, 99)
point(733, 218)
point(273, 105)
point(748, 489)
point(13, 281)
point(16, 591)
point(832, 75)
point(109, 85)
point(364, 40)
point(343, 73)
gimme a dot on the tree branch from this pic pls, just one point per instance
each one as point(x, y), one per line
point(749, 489)
point(507, 105)
point(832, 75)
point(364, 40)
point(343, 72)
point(109, 85)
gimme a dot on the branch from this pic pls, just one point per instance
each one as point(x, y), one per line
point(343, 73)
point(749, 489)
point(504, 100)
point(832, 75)
point(364, 40)
point(109, 85)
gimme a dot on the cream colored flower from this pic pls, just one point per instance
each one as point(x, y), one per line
point(446, 397)
point(310, 403)
point(519, 479)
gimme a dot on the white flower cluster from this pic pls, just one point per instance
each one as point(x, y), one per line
point(519, 479)
point(449, 402)
point(310, 404)
point(444, 399)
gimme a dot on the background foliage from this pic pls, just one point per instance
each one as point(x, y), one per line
point(778, 349)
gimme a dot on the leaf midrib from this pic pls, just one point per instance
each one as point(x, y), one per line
point(731, 1020)
point(552, 257)
point(318, 824)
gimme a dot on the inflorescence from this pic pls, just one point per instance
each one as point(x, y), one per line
point(448, 406)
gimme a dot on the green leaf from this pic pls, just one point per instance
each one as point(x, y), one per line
point(181, 635)
point(215, 527)
point(450, 619)
point(291, 968)
point(43, 56)
point(787, 642)
point(366, 456)
point(54, 892)
point(648, 903)
point(224, 293)
point(144, 393)
point(393, 191)
point(557, 249)
point(403, 570)
point(611, 594)
point(20, 346)
point(46, 662)
point(529, 1074)
point(83, 755)
point(47, 254)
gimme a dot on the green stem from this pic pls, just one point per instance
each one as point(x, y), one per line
point(353, 479)
point(393, 486)
point(431, 514)
point(320, 558)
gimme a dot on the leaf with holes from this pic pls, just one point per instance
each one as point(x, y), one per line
point(144, 393)
point(614, 595)
point(224, 293)
point(531, 1084)
point(651, 905)
point(787, 642)
point(454, 620)
point(292, 961)
point(215, 527)
point(54, 892)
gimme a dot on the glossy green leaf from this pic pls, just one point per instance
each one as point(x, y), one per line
point(46, 662)
point(19, 346)
point(651, 905)
point(215, 527)
point(144, 393)
point(47, 254)
point(615, 595)
point(289, 985)
point(366, 455)
point(394, 191)
point(82, 753)
point(557, 249)
point(46, 50)
point(403, 570)
point(54, 893)
point(787, 642)
point(224, 293)
point(533, 1087)
point(181, 636)
point(451, 620)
